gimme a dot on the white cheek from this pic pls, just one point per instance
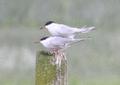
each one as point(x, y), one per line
point(53, 29)
point(47, 44)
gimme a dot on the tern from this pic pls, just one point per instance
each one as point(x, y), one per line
point(62, 30)
point(57, 44)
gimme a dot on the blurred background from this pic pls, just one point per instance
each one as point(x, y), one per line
point(92, 62)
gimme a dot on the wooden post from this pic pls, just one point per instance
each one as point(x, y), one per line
point(47, 72)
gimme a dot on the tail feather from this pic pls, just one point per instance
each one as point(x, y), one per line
point(86, 29)
point(78, 40)
point(74, 41)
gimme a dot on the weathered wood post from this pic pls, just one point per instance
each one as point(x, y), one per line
point(47, 72)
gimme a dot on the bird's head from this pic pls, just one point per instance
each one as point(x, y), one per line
point(47, 23)
point(44, 41)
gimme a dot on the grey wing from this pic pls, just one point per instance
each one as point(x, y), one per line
point(66, 30)
point(58, 42)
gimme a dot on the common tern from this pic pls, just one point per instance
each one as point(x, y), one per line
point(57, 45)
point(62, 30)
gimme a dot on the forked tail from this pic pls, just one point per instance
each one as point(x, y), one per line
point(74, 41)
point(86, 29)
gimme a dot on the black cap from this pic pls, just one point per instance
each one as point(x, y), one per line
point(43, 38)
point(49, 22)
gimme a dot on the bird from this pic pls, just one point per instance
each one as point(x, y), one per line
point(62, 30)
point(57, 44)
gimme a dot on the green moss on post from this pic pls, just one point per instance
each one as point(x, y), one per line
point(47, 72)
